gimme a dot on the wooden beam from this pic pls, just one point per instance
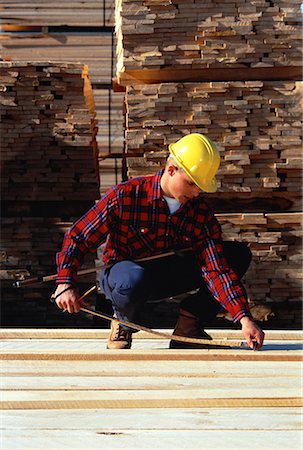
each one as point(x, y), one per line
point(168, 75)
point(155, 355)
point(80, 334)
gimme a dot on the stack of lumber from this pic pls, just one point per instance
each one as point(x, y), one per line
point(38, 212)
point(71, 32)
point(92, 49)
point(275, 275)
point(257, 125)
point(109, 112)
point(111, 171)
point(49, 160)
point(188, 35)
point(232, 71)
point(150, 397)
point(48, 134)
point(43, 13)
point(31, 242)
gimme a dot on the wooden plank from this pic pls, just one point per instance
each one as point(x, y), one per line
point(129, 400)
point(27, 385)
point(174, 427)
point(198, 419)
point(70, 333)
point(91, 346)
point(192, 369)
point(151, 76)
point(175, 436)
point(156, 355)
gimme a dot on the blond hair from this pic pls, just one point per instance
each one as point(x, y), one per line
point(172, 160)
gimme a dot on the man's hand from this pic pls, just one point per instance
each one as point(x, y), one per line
point(69, 300)
point(252, 332)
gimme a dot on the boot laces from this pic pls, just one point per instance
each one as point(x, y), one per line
point(120, 333)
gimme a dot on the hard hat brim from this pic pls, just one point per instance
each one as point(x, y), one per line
point(209, 187)
point(206, 186)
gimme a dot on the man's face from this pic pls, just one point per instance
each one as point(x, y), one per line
point(180, 186)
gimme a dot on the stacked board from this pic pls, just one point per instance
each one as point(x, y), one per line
point(43, 13)
point(78, 32)
point(39, 212)
point(188, 35)
point(48, 132)
point(232, 71)
point(256, 124)
point(49, 168)
point(274, 277)
point(92, 49)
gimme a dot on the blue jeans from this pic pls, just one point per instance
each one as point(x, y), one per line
point(129, 284)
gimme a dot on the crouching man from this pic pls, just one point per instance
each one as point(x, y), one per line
point(152, 215)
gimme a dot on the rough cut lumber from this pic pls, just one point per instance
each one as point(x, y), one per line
point(253, 122)
point(166, 75)
point(64, 13)
point(189, 35)
point(49, 152)
point(92, 49)
point(31, 242)
point(275, 241)
point(48, 132)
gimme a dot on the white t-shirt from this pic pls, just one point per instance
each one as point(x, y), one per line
point(173, 204)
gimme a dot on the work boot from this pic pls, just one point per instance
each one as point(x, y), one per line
point(189, 325)
point(119, 338)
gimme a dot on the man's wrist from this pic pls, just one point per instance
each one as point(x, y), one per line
point(64, 285)
point(66, 288)
point(245, 320)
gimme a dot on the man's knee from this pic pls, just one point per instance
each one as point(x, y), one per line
point(125, 280)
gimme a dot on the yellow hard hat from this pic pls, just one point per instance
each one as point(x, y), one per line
point(199, 157)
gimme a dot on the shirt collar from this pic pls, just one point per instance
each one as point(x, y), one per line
point(155, 190)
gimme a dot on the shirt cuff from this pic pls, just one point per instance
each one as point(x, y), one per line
point(243, 313)
point(66, 279)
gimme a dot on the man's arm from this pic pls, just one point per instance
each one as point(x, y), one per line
point(225, 285)
point(85, 235)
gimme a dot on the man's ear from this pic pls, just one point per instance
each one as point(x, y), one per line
point(171, 169)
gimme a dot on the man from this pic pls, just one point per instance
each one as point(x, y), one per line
point(150, 216)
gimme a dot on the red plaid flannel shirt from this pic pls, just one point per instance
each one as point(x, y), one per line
point(134, 221)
